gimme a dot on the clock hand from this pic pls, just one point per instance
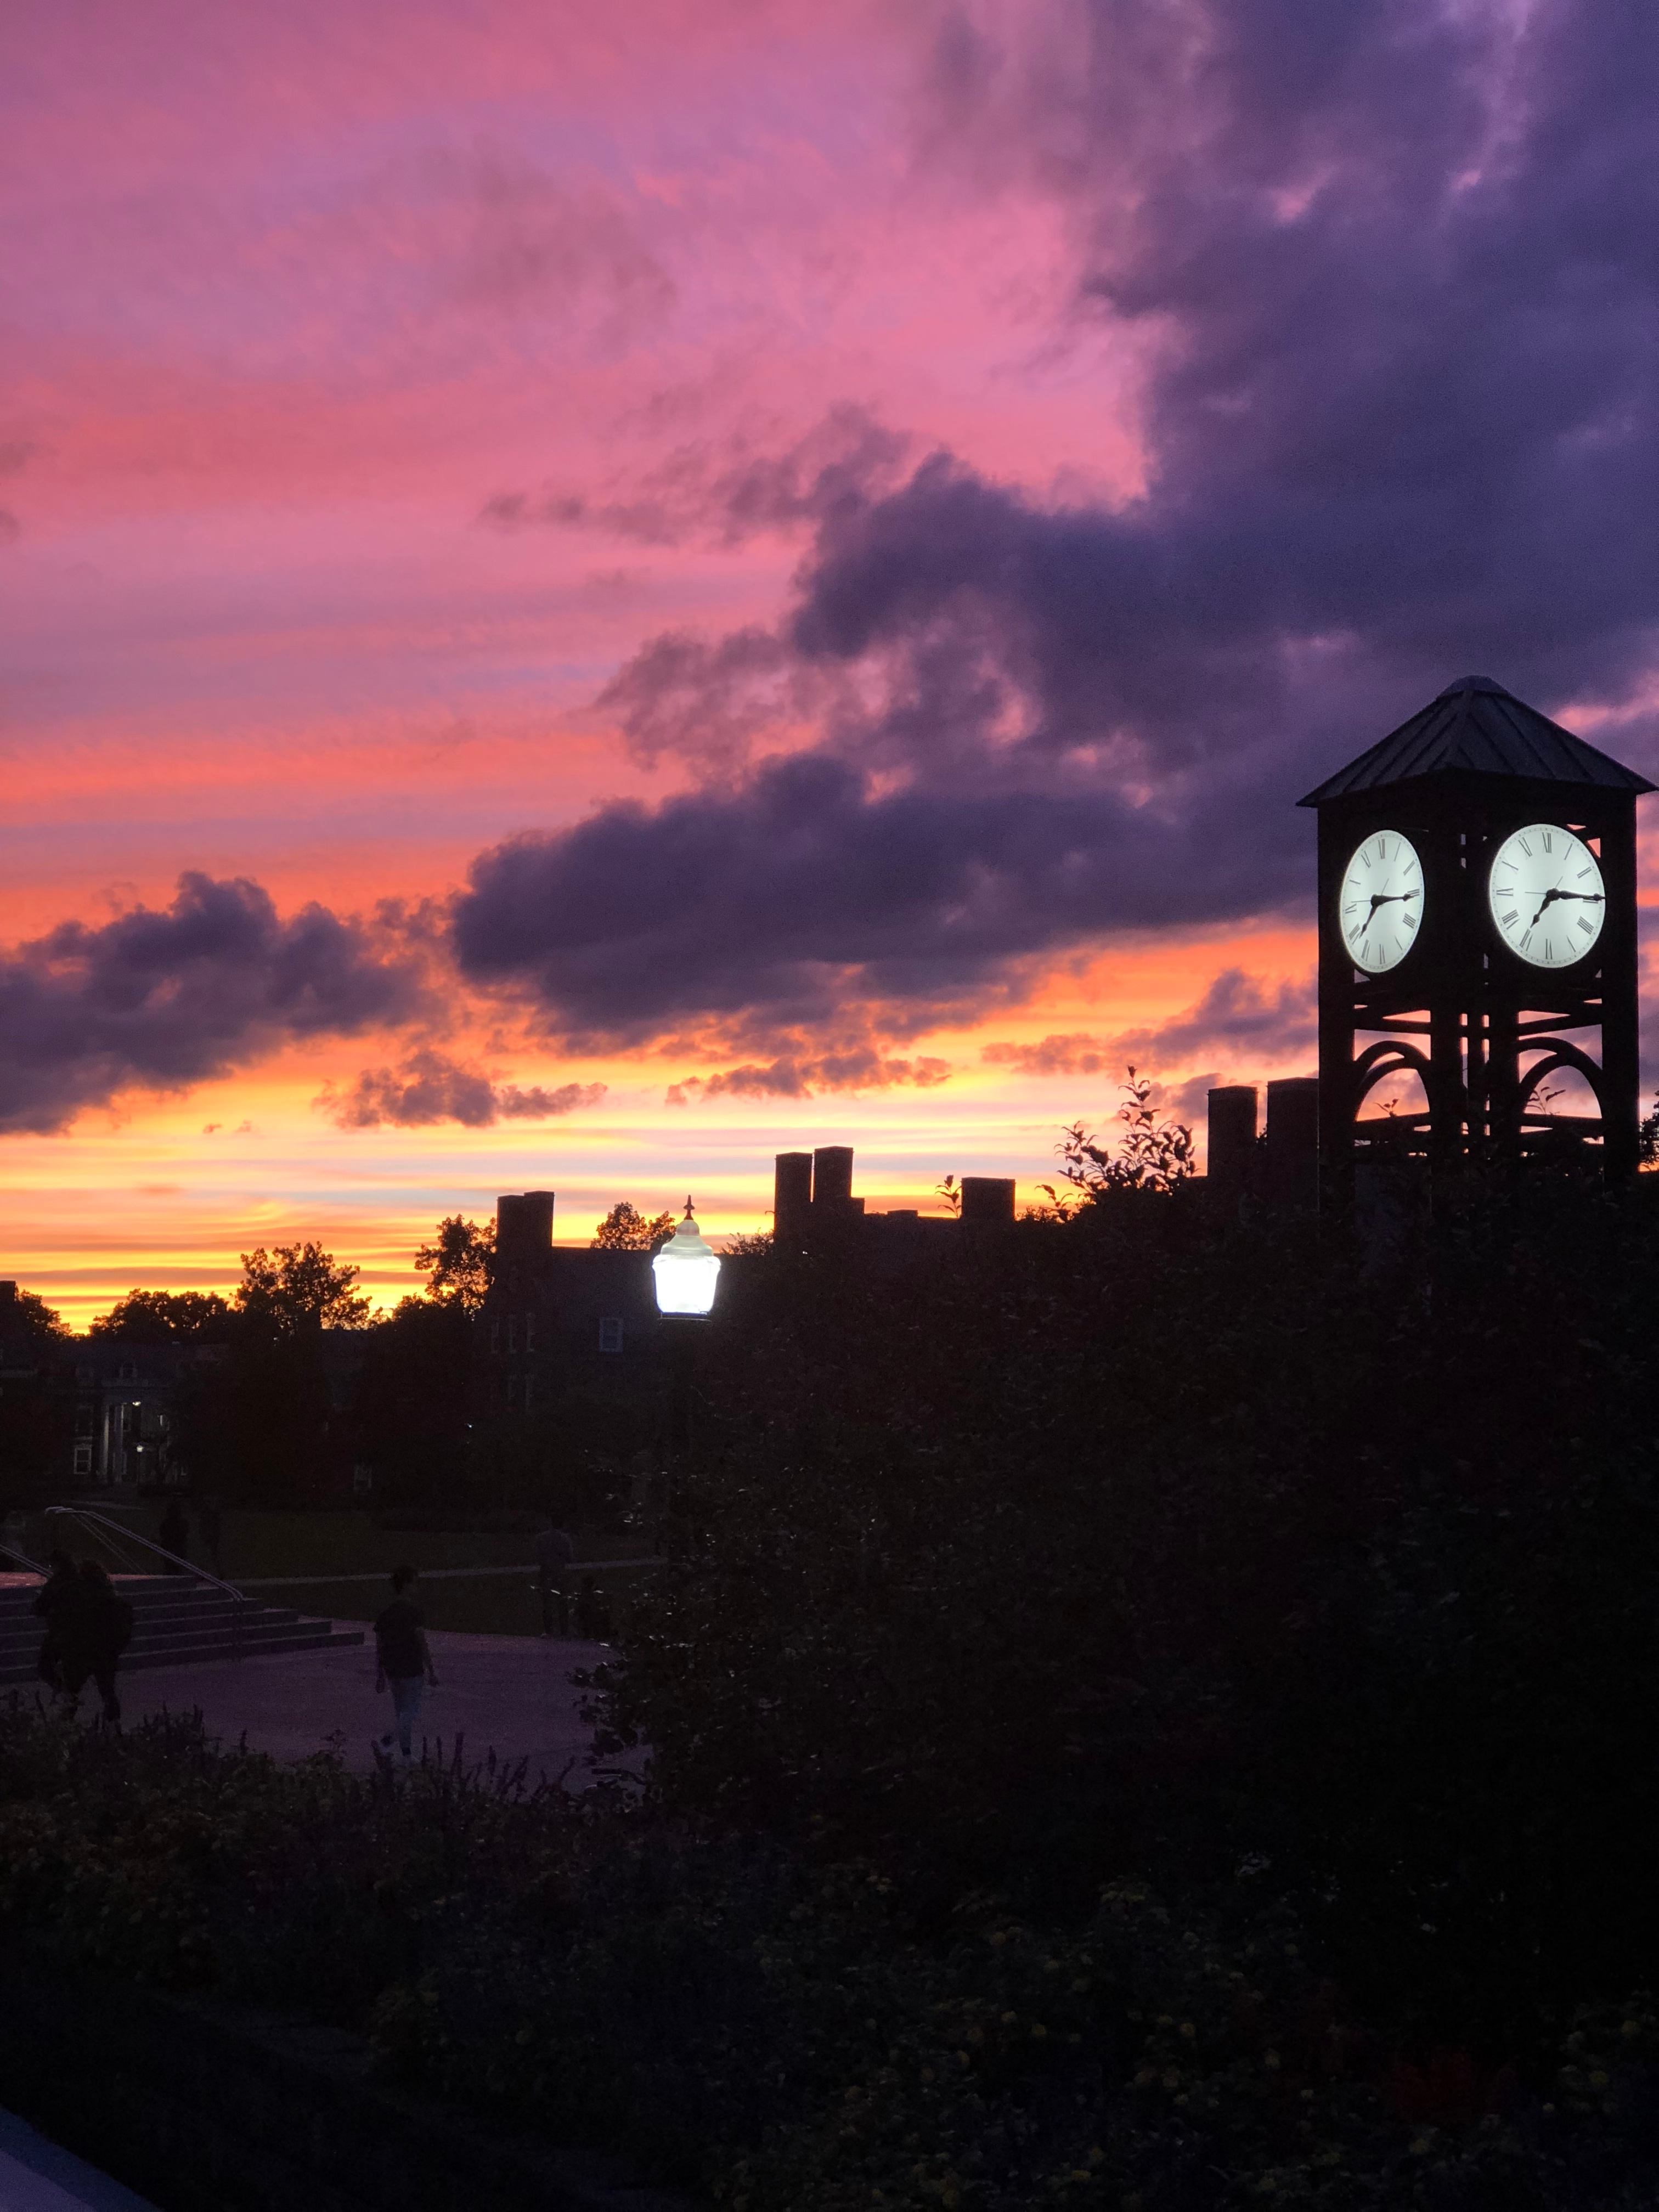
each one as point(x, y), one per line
point(1548, 899)
point(1385, 898)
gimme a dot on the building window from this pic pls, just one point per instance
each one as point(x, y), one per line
point(494, 1336)
point(127, 1372)
point(512, 1390)
point(529, 1390)
point(83, 1459)
point(530, 1332)
point(610, 1334)
point(84, 1423)
point(511, 1333)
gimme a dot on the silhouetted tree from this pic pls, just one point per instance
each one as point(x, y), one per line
point(624, 1229)
point(1151, 1155)
point(461, 1263)
point(166, 1317)
point(299, 1287)
point(30, 1421)
point(28, 1314)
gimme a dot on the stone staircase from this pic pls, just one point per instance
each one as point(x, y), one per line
point(177, 1623)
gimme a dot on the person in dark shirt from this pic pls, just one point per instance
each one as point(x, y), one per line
point(98, 1632)
point(403, 1663)
point(60, 1596)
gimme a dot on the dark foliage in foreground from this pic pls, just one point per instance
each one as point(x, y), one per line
point(1146, 1547)
point(776, 2027)
point(1155, 1716)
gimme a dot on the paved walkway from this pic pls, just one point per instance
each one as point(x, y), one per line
point(35, 2176)
point(511, 1694)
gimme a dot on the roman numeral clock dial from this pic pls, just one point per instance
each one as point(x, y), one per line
point(1546, 895)
point(1380, 906)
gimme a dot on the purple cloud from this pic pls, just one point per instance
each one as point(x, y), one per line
point(802, 1075)
point(1398, 272)
point(159, 1002)
point(428, 1087)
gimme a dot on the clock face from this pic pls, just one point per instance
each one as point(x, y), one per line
point(1380, 906)
point(1547, 898)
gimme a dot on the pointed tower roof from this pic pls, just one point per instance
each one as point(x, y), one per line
point(1475, 727)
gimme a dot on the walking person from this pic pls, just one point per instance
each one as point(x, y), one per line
point(60, 1596)
point(402, 1664)
point(173, 1534)
point(555, 1553)
point(99, 1630)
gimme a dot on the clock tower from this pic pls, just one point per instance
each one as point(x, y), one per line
point(1476, 927)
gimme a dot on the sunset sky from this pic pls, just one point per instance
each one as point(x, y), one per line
point(590, 595)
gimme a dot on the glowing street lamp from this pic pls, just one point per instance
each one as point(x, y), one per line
point(686, 1271)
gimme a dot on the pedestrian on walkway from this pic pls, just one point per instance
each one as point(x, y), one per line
point(99, 1630)
point(555, 1553)
point(60, 1596)
point(402, 1664)
point(173, 1534)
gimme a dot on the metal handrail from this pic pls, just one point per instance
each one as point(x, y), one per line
point(11, 1551)
point(131, 1536)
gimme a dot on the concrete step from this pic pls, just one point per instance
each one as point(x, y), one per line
point(169, 1627)
point(187, 1620)
point(176, 1623)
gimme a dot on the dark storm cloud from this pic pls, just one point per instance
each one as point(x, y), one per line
point(159, 1000)
point(1397, 271)
point(428, 1086)
point(805, 892)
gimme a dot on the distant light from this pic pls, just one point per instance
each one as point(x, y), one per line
point(686, 1271)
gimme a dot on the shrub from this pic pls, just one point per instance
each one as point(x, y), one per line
point(784, 2032)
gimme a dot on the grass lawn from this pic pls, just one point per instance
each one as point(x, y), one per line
point(259, 1544)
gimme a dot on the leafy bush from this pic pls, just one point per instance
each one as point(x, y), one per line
point(780, 2029)
point(1143, 1544)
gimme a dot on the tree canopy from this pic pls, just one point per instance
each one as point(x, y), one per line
point(460, 1262)
point(30, 1313)
point(626, 1229)
point(166, 1317)
point(298, 1288)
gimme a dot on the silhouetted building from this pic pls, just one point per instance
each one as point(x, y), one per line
point(813, 1207)
point(555, 1317)
point(1293, 1142)
point(1232, 1146)
point(987, 1201)
point(123, 1418)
